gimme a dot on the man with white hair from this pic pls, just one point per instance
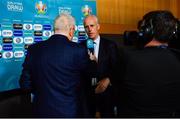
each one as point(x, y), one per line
point(54, 71)
point(105, 54)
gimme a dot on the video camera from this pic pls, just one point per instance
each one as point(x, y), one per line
point(133, 38)
point(175, 43)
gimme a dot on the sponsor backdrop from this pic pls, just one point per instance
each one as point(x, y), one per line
point(24, 22)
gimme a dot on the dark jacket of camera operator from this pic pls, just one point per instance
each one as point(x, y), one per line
point(150, 86)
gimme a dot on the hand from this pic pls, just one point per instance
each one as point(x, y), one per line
point(91, 56)
point(102, 85)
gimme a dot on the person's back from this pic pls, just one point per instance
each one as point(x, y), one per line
point(56, 68)
point(56, 77)
point(151, 86)
point(151, 80)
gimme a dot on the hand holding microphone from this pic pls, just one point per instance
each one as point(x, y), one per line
point(90, 47)
point(92, 56)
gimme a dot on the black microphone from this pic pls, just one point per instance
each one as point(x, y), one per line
point(90, 45)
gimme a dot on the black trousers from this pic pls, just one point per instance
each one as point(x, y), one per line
point(105, 103)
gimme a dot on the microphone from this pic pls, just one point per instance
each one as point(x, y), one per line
point(90, 45)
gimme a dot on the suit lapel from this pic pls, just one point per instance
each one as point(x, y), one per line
point(101, 52)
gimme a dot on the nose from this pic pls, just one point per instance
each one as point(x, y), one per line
point(89, 29)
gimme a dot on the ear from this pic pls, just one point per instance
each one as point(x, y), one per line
point(98, 26)
point(71, 32)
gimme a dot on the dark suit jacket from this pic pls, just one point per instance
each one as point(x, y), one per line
point(108, 59)
point(107, 66)
point(55, 70)
point(151, 83)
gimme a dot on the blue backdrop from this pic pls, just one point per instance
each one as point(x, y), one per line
point(24, 22)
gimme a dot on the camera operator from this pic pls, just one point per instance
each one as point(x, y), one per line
point(150, 86)
point(175, 42)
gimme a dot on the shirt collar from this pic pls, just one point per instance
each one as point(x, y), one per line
point(97, 40)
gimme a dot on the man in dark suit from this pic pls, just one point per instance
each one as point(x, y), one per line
point(106, 56)
point(151, 83)
point(54, 71)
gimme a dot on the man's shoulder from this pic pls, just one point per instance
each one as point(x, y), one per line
point(77, 45)
point(83, 43)
point(108, 43)
point(176, 52)
point(36, 45)
point(106, 40)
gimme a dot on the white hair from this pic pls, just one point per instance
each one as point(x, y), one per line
point(94, 16)
point(64, 22)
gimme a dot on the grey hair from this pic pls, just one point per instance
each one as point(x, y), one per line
point(64, 22)
point(94, 16)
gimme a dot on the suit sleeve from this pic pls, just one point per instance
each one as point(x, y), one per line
point(89, 68)
point(25, 78)
point(115, 63)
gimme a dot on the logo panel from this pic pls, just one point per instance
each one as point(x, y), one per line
point(17, 26)
point(18, 33)
point(18, 40)
point(18, 54)
point(7, 55)
point(8, 47)
point(7, 33)
point(28, 40)
point(41, 8)
point(7, 40)
point(37, 27)
point(27, 26)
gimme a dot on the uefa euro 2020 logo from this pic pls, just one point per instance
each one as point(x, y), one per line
point(86, 10)
point(41, 8)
